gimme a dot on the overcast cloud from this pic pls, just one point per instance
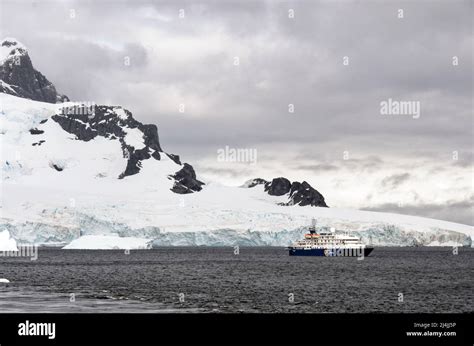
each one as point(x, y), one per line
point(336, 139)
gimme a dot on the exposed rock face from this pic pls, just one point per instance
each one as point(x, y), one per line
point(36, 131)
point(7, 89)
point(298, 193)
point(88, 122)
point(111, 122)
point(303, 194)
point(20, 78)
point(175, 158)
point(185, 181)
point(278, 187)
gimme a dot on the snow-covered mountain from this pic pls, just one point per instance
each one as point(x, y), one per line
point(72, 170)
point(48, 145)
point(19, 77)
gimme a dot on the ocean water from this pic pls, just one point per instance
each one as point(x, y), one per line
point(263, 279)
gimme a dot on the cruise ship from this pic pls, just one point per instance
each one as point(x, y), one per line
point(329, 244)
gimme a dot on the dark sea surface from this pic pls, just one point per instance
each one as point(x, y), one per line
point(259, 279)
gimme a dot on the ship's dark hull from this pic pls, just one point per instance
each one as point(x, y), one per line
point(333, 252)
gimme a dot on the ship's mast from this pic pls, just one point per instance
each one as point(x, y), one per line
point(312, 229)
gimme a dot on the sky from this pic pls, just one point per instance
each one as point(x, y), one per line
point(298, 83)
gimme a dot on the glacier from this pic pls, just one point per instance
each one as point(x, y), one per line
point(264, 229)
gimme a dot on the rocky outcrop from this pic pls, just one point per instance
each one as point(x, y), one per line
point(302, 194)
point(20, 78)
point(88, 122)
point(175, 158)
point(185, 181)
point(278, 187)
point(35, 131)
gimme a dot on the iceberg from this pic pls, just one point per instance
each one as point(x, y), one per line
point(7, 243)
point(108, 242)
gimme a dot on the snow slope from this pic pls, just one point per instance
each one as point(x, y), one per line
point(29, 159)
point(9, 52)
point(65, 190)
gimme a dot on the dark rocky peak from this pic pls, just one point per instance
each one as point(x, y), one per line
point(298, 193)
point(278, 187)
point(19, 78)
point(304, 194)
